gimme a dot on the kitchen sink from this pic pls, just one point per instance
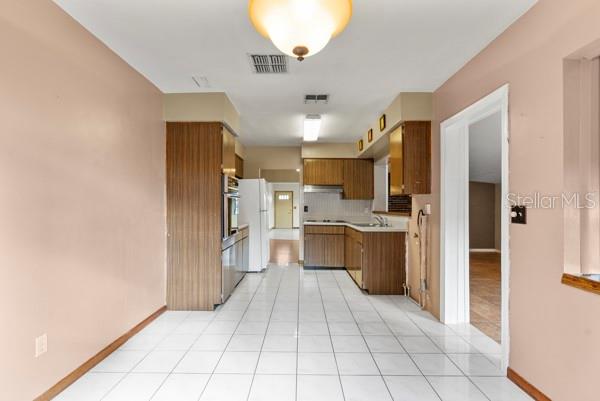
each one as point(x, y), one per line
point(369, 225)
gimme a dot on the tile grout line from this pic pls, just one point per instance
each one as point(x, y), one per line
point(183, 356)
point(227, 345)
point(330, 340)
point(130, 371)
point(265, 335)
point(411, 357)
point(363, 337)
point(429, 336)
point(299, 276)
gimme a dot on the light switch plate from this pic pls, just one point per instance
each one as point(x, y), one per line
point(518, 215)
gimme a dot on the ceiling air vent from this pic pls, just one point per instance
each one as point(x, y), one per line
point(324, 99)
point(269, 63)
point(201, 82)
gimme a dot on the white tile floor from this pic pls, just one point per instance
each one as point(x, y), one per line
point(289, 334)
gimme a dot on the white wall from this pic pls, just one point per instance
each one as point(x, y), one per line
point(380, 172)
point(333, 206)
point(287, 186)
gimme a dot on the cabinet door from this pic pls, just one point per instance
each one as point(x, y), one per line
point(417, 157)
point(333, 247)
point(358, 179)
point(397, 162)
point(358, 255)
point(313, 250)
point(323, 172)
point(228, 153)
point(239, 167)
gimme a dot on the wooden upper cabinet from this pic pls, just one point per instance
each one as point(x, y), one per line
point(396, 163)
point(358, 179)
point(239, 167)
point(323, 172)
point(228, 153)
point(410, 159)
point(417, 157)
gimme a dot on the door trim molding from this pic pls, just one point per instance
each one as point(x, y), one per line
point(96, 359)
point(454, 208)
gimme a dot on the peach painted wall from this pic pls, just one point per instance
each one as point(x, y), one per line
point(82, 210)
point(554, 329)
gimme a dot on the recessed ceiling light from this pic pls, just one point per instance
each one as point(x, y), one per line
point(312, 125)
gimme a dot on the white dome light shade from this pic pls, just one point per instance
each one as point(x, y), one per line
point(300, 28)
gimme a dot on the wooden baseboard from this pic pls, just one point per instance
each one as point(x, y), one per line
point(323, 268)
point(581, 282)
point(526, 386)
point(96, 359)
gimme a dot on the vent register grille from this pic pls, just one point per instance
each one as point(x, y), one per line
point(269, 63)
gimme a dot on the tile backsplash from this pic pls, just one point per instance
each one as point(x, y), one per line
point(332, 206)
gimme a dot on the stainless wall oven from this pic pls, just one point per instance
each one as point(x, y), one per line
point(231, 206)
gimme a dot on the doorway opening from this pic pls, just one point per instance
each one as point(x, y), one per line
point(475, 222)
point(284, 237)
point(284, 208)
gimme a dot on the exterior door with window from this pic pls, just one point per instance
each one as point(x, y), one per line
point(284, 206)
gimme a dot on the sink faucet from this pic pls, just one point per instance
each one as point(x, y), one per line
point(382, 221)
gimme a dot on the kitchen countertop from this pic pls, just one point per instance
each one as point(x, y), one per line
point(395, 229)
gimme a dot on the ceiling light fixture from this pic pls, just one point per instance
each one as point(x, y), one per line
point(312, 125)
point(300, 28)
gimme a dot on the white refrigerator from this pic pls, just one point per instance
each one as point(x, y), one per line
point(254, 211)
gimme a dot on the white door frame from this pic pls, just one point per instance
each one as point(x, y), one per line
point(454, 216)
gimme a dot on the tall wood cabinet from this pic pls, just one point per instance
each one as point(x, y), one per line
point(229, 165)
point(193, 166)
point(410, 158)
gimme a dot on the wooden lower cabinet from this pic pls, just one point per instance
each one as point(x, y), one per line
point(323, 246)
point(376, 261)
point(353, 253)
point(384, 262)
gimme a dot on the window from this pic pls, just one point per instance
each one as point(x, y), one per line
point(283, 197)
point(581, 201)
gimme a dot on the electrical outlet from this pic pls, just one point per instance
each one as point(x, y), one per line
point(41, 345)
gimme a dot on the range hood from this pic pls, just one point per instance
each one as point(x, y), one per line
point(324, 189)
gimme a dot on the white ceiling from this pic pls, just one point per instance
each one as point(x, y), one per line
point(485, 150)
point(390, 46)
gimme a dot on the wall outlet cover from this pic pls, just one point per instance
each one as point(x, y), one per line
point(41, 345)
